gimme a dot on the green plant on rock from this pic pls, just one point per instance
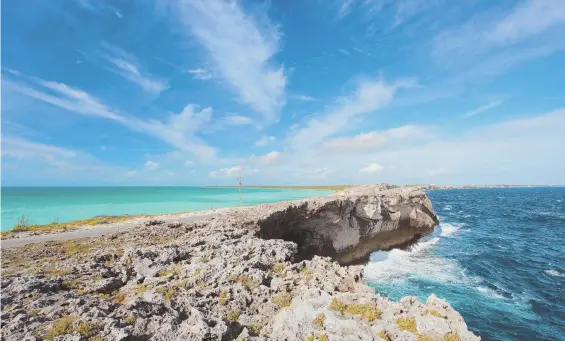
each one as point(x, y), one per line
point(310, 338)
point(282, 300)
point(59, 272)
point(366, 311)
point(319, 320)
point(306, 273)
point(33, 312)
point(167, 292)
point(246, 281)
point(204, 259)
point(255, 328)
point(422, 337)
point(233, 316)
point(431, 312)
point(407, 324)
point(223, 298)
point(86, 329)
point(451, 337)
point(323, 337)
point(278, 268)
point(130, 320)
point(174, 270)
point(62, 326)
point(384, 336)
point(29, 299)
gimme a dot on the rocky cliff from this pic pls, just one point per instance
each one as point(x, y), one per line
point(257, 273)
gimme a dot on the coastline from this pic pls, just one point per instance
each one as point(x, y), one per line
point(245, 269)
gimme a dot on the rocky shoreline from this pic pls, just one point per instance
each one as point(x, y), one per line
point(268, 272)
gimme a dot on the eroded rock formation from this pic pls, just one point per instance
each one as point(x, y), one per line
point(215, 278)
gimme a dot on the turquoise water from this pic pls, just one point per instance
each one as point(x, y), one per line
point(42, 205)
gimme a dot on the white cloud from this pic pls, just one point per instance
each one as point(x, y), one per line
point(130, 174)
point(483, 32)
point(151, 165)
point(234, 171)
point(201, 74)
point(126, 65)
point(229, 122)
point(265, 140)
point(238, 120)
point(241, 50)
point(343, 51)
point(188, 163)
point(368, 97)
point(483, 109)
point(319, 173)
point(376, 139)
point(19, 148)
point(272, 157)
point(371, 168)
point(302, 97)
point(177, 130)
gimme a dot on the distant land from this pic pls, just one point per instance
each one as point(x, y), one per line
point(343, 187)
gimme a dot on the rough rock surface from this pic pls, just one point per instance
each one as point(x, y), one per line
point(216, 279)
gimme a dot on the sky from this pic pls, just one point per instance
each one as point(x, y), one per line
point(282, 92)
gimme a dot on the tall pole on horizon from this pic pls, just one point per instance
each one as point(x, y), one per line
point(239, 186)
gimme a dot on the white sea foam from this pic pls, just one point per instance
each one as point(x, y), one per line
point(489, 292)
point(447, 207)
point(448, 229)
point(555, 273)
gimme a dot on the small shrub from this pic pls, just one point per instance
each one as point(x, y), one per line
point(174, 270)
point(130, 320)
point(204, 259)
point(278, 268)
point(96, 338)
point(255, 328)
point(306, 273)
point(366, 311)
point(62, 326)
point(73, 249)
point(310, 338)
point(97, 277)
point(167, 292)
point(197, 271)
point(384, 336)
point(140, 289)
point(422, 337)
point(29, 299)
point(432, 312)
point(323, 337)
point(451, 337)
point(120, 297)
point(86, 329)
point(233, 316)
point(408, 324)
point(319, 320)
point(223, 298)
point(70, 284)
point(22, 224)
point(246, 281)
point(33, 312)
point(59, 272)
point(282, 300)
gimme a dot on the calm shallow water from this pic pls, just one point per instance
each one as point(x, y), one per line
point(42, 205)
point(497, 257)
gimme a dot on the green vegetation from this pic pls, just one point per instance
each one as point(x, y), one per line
point(432, 312)
point(96, 338)
point(23, 224)
point(197, 271)
point(310, 338)
point(223, 298)
point(306, 273)
point(204, 259)
point(323, 337)
point(70, 284)
point(29, 299)
point(33, 312)
point(246, 281)
point(278, 268)
point(233, 316)
point(451, 337)
point(60, 327)
point(130, 320)
point(255, 328)
point(174, 270)
point(283, 300)
point(366, 311)
point(319, 320)
point(384, 336)
point(167, 292)
point(407, 324)
point(59, 272)
point(140, 289)
point(120, 297)
point(86, 329)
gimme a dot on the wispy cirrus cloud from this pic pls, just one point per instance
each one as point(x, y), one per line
point(201, 74)
point(485, 31)
point(178, 129)
point(241, 50)
point(126, 65)
point(483, 109)
point(369, 96)
point(265, 140)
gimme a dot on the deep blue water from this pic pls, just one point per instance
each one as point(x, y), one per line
point(498, 257)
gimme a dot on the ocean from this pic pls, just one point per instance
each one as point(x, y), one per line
point(41, 205)
point(498, 257)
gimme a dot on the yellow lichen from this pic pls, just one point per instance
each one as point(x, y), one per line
point(451, 337)
point(319, 320)
point(407, 324)
point(366, 311)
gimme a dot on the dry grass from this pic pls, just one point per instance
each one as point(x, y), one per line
point(283, 300)
point(278, 268)
point(451, 337)
point(366, 311)
point(130, 320)
point(174, 270)
point(233, 316)
point(407, 324)
point(384, 336)
point(319, 320)
point(246, 281)
point(323, 337)
point(167, 292)
point(432, 312)
point(86, 329)
point(62, 326)
point(223, 298)
point(255, 328)
point(58, 272)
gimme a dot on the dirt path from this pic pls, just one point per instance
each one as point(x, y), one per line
point(110, 228)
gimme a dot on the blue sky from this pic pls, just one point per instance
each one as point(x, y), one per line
point(283, 92)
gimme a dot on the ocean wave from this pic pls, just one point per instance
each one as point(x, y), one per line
point(448, 229)
point(555, 273)
point(447, 207)
point(489, 292)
